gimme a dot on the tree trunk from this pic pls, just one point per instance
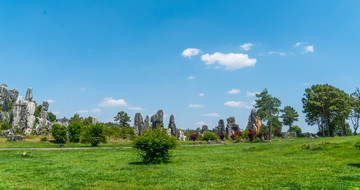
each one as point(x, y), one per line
point(270, 131)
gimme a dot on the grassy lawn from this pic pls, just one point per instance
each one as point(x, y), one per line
point(282, 164)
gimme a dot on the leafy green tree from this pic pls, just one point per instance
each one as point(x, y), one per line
point(74, 132)
point(75, 119)
point(267, 108)
point(112, 131)
point(93, 134)
point(122, 119)
point(37, 110)
point(323, 104)
point(289, 116)
point(209, 136)
point(88, 121)
point(59, 133)
point(296, 129)
point(355, 113)
point(52, 117)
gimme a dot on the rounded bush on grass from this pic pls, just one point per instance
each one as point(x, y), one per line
point(209, 136)
point(93, 134)
point(74, 132)
point(59, 133)
point(357, 144)
point(154, 146)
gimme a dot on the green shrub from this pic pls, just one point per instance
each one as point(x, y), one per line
point(43, 139)
point(125, 132)
point(357, 143)
point(5, 126)
point(154, 146)
point(74, 132)
point(93, 134)
point(209, 136)
point(59, 133)
point(112, 131)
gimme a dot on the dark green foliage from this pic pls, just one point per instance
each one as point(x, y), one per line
point(75, 119)
point(289, 116)
point(126, 132)
point(59, 133)
point(357, 143)
point(5, 126)
point(88, 121)
point(355, 113)
point(11, 104)
point(296, 129)
point(74, 130)
point(112, 131)
point(52, 117)
point(93, 134)
point(122, 119)
point(209, 136)
point(37, 111)
point(43, 139)
point(154, 146)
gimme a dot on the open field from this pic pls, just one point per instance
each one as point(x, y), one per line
point(282, 164)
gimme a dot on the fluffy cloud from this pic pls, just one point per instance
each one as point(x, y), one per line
point(309, 49)
point(251, 94)
point(82, 111)
point(189, 52)
point(50, 101)
point(82, 88)
point(212, 115)
point(195, 106)
point(135, 108)
point(201, 94)
point(234, 91)
point(201, 123)
point(96, 110)
point(277, 52)
point(239, 104)
point(190, 77)
point(246, 46)
point(299, 44)
point(110, 102)
point(230, 61)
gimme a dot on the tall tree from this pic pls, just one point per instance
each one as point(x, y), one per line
point(267, 108)
point(323, 104)
point(355, 113)
point(122, 119)
point(289, 116)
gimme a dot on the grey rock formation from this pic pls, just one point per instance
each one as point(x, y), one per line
point(30, 118)
point(172, 126)
point(29, 95)
point(198, 131)
point(254, 123)
point(182, 137)
point(146, 123)
point(63, 121)
point(220, 128)
point(157, 120)
point(18, 114)
point(231, 126)
point(44, 114)
point(13, 94)
point(168, 131)
point(5, 133)
point(4, 98)
point(12, 137)
point(204, 128)
point(138, 124)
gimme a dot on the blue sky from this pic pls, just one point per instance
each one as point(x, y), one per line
point(100, 57)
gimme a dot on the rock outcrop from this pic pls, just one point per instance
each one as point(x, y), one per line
point(172, 126)
point(12, 137)
point(231, 126)
point(146, 123)
point(157, 120)
point(182, 137)
point(138, 124)
point(63, 121)
point(204, 128)
point(220, 128)
point(254, 122)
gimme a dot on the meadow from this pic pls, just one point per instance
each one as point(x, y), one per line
point(328, 163)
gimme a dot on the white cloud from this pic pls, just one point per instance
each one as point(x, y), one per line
point(201, 94)
point(277, 52)
point(135, 108)
point(231, 61)
point(82, 111)
point(212, 115)
point(239, 104)
point(251, 94)
point(299, 44)
point(201, 123)
point(110, 102)
point(246, 46)
point(82, 88)
point(189, 52)
point(96, 110)
point(50, 101)
point(309, 49)
point(56, 112)
point(195, 106)
point(234, 91)
point(190, 77)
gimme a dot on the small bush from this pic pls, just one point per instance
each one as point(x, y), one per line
point(222, 136)
point(93, 134)
point(305, 146)
point(251, 134)
point(74, 132)
point(209, 136)
point(154, 146)
point(357, 144)
point(43, 139)
point(277, 133)
point(5, 126)
point(194, 136)
point(59, 133)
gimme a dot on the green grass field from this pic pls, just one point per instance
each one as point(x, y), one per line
point(282, 164)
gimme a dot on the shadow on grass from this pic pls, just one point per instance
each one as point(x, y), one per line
point(143, 163)
point(355, 165)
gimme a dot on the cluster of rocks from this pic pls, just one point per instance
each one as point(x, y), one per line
point(231, 127)
point(157, 121)
point(254, 122)
point(20, 113)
